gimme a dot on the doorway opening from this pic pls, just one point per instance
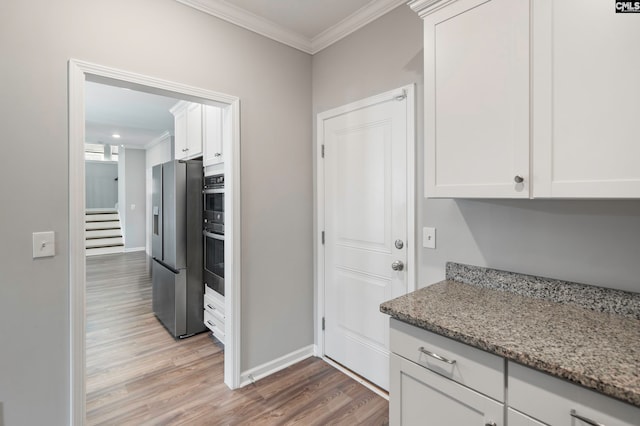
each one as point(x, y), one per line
point(80, 73)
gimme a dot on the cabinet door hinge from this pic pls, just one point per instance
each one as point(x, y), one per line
point(322, 151)
point(323, 237)
point(322, 323)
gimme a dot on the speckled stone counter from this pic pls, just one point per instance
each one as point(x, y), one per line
point(598, 350)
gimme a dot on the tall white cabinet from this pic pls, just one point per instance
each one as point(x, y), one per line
point(530, 98)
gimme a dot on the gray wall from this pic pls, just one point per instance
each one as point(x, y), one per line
point(594, 242)
point(164, 39)
point(135, 188)
point(100, 184)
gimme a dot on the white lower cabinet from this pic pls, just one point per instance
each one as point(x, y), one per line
point(515, 418)
point(559, 403)
point(436, 380)
point(214, 316)
point(422, 397)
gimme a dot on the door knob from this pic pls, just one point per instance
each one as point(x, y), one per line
point(397, 265)
point(518, 179)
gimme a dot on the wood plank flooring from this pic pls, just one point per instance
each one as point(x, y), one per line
point(137, 374)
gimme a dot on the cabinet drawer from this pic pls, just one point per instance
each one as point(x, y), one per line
point(515, 418)
point(420, 397)
point(551, 400)
point(215, 325)
point(214, 307)
point(473, 367)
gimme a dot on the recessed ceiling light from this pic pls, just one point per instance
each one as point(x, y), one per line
point(115, 136)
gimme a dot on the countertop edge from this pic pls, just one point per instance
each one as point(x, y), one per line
point(608, 389)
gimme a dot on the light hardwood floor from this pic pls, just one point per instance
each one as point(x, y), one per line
point(137, 374)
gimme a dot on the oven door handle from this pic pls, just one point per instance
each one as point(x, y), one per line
point(213, 191)
point(212, 235)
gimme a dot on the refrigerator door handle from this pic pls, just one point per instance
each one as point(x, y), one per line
point(172, 269)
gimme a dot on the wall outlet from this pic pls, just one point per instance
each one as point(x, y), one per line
point(429, 237)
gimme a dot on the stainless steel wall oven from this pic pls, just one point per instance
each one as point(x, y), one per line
point(213, 232)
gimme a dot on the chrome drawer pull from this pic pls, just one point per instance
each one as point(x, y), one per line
point(211, 307)
point(436, 356)
point(210, 323)
point(584, 419)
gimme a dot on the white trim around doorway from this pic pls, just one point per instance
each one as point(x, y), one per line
point(409, 92)
point(79, 72)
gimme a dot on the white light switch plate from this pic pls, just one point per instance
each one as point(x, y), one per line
point(429, 237)
point(44, 244)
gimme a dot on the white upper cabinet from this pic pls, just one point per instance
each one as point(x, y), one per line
point(530, 98)
point(476, 55)
point(188, 130)
point(586, 93)
point(212, 135)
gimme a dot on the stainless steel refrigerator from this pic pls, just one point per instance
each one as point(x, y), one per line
point(176, 246)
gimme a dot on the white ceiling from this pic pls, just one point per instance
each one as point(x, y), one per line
point(307, 25)
point(139, 118)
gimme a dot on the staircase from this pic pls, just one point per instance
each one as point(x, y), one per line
point(103, 232)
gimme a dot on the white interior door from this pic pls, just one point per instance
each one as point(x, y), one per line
point(365, 212)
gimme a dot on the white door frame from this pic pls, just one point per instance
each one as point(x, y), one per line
point(319, 258)
point(79, 72)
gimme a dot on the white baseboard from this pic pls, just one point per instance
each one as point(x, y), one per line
point(254, 374)
point(129, 250)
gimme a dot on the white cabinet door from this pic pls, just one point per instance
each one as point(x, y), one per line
point(420, 397)
point(187, 129)
point(180, 130)
point(194, 130)
point(557, 402)
point(586, 94)
point(212, 136)
point(515, 418)
point(476, 55)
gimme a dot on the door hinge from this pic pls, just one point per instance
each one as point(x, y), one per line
point(322, 151)
point(323, 323)
point(402, 96)
point(323, 237)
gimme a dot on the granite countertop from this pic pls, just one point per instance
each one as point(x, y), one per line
point(598, 350)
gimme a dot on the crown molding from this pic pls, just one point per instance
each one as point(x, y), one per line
point(252, 22)
point(157, 140)
point(354, 22)
point(426, 7)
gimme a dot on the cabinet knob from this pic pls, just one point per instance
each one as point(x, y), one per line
point(217, 154)
point(185, 149)
point(490, 424)
point(518, 179)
